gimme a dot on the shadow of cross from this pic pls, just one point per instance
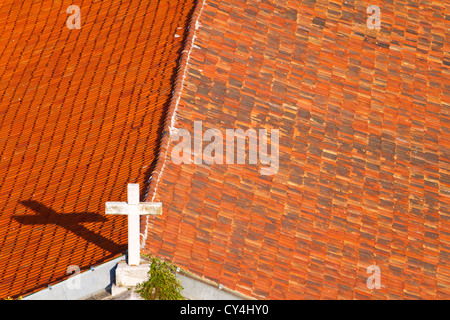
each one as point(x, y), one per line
point(69, 221)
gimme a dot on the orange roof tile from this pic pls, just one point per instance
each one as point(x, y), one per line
point(81, 115)
point(364, 171)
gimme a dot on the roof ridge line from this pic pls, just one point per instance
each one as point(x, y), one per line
point(169, 121)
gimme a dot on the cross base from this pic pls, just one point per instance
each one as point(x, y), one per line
point(127, 278)
point(130, 276)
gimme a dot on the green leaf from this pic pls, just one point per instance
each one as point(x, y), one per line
point(162, 283)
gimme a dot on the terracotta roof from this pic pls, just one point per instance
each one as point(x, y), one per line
point(81, 113)
point(364, 175)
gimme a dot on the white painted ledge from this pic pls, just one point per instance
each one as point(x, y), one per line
point(81, 286)
point(90, 283)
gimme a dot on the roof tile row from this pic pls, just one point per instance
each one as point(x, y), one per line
point(80, 117)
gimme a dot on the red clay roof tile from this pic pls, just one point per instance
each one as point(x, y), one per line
point(81, 115)
point(364, 150)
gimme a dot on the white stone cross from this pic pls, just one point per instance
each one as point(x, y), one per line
point(134, 209)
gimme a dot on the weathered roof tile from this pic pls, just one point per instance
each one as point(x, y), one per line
point(364, 157)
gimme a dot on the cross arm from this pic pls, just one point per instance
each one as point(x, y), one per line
point(143, 208)
point(153, 208)
point(116, 208)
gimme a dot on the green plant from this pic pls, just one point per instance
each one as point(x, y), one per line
point(162, 283)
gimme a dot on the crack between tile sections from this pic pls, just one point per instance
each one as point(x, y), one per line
point(170, 120)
